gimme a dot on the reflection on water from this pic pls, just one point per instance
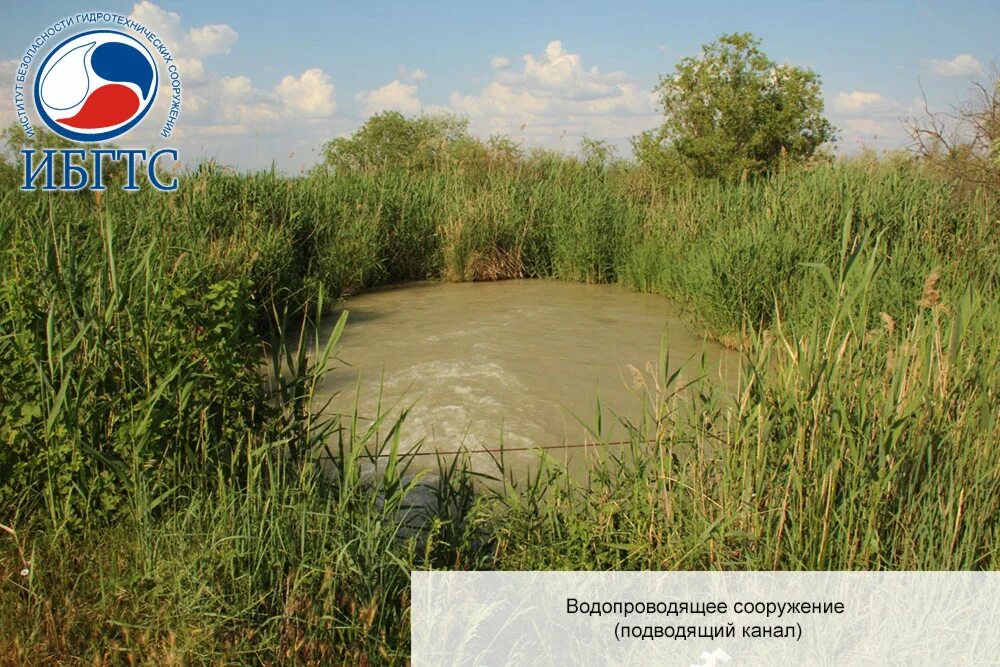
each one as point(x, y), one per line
point(524, 360)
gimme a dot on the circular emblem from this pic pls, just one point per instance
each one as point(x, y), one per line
point(95, 86)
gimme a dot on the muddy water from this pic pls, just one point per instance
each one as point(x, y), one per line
point(519, 361)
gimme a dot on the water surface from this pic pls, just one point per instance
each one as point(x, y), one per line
point(521, 360)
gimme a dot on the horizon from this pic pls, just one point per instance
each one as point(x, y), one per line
point(532, 73)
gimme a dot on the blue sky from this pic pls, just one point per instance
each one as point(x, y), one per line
point(270, 81)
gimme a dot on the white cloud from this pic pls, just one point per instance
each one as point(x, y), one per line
point(394, 96)
point(167, 25)
point(236, 118)
point(416, 75)
point(499, 62)
point(192, 69)
point(230, 117)
point(872, 132)
point(555, 98)
point(562, 72)
point(235, 87)
point(869, 119)
point(212, 39)
point(857, 101)
point(309, 95)
point(962, 65)
point(230, 105)
point(236, 106)
point(198, 42)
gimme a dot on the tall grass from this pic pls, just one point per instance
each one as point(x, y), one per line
point(856, 442)
point(161, 482)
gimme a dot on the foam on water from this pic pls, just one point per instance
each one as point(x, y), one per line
point(521, 360)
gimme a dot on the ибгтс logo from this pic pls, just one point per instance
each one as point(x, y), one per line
point(93, 86)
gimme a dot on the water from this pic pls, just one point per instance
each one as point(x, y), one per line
point(525, 360)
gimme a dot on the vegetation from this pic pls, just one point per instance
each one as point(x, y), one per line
point(732, 111)
point(964, 143)
point(161, 493)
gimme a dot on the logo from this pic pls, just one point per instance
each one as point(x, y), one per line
point(95, 86)
point(91, 78)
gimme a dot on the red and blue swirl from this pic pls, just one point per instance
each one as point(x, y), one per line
point(95, 86)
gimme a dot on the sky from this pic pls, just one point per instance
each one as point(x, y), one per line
point(267, 82)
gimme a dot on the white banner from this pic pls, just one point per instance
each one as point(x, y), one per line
point(705, 619)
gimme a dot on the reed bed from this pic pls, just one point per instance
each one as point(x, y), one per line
point(161, 494)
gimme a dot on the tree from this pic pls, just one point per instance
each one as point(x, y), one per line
point(391, 140)
point(596, 153)
point(732, 111)
point(964, 142)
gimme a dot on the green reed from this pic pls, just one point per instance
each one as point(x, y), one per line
point(167, 482)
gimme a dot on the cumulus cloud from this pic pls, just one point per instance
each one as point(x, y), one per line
point(192, 69)
point(309, 95)
point(857, 100)
point(868, 119)
point(165, 23)
point(236, 118)
point(231, 117)
point(227, 106)
point(197, 42)
point(211, 39)
point(237, 106)
point(554, 95)
point(393, 96)
point(235, 87)
point(416, 75)
point(499, 62)
point(962, 65)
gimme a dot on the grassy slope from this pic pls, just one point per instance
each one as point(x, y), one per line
point(145, 469)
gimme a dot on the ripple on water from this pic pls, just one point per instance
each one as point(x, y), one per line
point(524, 360)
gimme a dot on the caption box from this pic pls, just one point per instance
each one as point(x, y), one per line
point(705, 619)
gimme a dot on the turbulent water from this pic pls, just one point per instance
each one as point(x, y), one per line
point(524, 361)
